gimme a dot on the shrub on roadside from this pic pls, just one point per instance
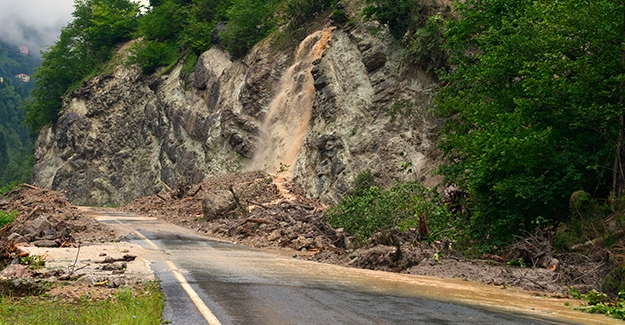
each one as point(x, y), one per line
point(403, 206)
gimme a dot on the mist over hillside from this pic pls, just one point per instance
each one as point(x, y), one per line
point(33, 23)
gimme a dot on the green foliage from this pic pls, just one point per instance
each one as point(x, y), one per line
point(8, 188)
point(15, 143)
point(34, 262)
point(426, 47)
point(7, 217)
point(614, 281)
point(600, 303)
point(300, 12)
point(519, 262)
point(532, 107)
point(419, 25)
point(249, 21)
point(152, 54)
point(163, 23)
point(189, 63)
point(399, 16)
point(130, 306)
point(377, 209)
point(363, 182)
point(283, 168)
point(84, 45)
point(587, 221)
point(340, 16)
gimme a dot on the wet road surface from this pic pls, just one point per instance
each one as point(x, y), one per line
point(239, 285)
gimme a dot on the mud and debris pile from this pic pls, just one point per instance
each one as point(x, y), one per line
point(45, 218)
point(253, 209)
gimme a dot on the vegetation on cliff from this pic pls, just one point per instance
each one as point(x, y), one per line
point(170, 30)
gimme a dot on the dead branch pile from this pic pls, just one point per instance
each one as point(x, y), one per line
point(535, 249)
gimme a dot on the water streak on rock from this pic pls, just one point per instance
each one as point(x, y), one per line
point(286, 122)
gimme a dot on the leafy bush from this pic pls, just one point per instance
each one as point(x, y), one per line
point(363, 182)
point(84, 45)
point(426, 47)
point(163, 23)
point(7, 217)
point(419, 25)
point(249, 21)
point(600, 303)
point(340, 16)
point(8, 187)
point(152, 54)
point(299, 12)
point(376, 209)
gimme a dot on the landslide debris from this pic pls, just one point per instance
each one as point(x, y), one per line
point(47, 219)
point(252, 208)
point(260, 210)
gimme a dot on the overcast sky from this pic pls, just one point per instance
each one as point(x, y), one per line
point(35, 23)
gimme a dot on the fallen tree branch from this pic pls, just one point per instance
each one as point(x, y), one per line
point(260, 205)
point(236, 199)
point(160, 197)
point(33, 211)
point(125, 258)
point(167, 187)
point(31, 186)
point(76, 260)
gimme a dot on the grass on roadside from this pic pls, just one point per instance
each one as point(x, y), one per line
point(129, 306)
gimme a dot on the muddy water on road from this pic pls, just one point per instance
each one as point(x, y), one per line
point(231, 267)
point(317, 275)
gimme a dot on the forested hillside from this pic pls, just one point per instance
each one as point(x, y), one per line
point(15, 141)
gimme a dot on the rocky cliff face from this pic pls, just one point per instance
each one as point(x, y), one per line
point(121, 135)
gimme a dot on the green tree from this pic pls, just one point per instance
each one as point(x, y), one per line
point(84, 45)
point(249, 21)
point(533, 107)
point(418, 25)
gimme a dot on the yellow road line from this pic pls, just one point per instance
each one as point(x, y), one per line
point(208, 315)
point(197, 301)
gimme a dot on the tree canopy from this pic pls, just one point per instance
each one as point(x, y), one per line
point(84, 45)
point(534, 104)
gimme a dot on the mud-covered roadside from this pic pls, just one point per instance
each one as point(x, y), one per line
point(52, 247)
point(260, 210)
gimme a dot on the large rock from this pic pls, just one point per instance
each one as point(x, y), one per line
point(39, 227)
point(217, 203)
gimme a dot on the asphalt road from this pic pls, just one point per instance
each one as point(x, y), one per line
point(211, 282)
